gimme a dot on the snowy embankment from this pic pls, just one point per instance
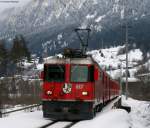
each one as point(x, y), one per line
point(115, 118)
point(23, 120)
point(110, 118)
point(140, 113)
point(139, 117)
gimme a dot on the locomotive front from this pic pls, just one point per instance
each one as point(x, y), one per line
point(68, 88)
point(75, 87)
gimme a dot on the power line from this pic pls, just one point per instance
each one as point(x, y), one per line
point(126, 44)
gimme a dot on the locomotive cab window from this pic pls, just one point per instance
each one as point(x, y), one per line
point(91, 73)
point(80, 73)
point(54, 73)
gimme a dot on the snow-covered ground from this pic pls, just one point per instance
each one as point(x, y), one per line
point(139, 117)
point(140, 113)
point(23, 120)
point(108, 118)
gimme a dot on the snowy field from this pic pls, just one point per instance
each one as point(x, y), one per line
point(108, 118)
point(140, 113)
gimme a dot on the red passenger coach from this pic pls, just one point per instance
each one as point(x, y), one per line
point(75, 88)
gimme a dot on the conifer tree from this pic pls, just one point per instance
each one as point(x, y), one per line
point(16, 50)
point(41, 60)
point(19, 49)
point(3, 58)
point(25, 50)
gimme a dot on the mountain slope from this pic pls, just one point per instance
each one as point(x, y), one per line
point(42, 21)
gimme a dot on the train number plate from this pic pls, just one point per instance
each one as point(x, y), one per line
point(79, 86)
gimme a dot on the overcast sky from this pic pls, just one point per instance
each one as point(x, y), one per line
point(8, 3)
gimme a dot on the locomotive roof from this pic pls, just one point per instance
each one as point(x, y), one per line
point(57, 60)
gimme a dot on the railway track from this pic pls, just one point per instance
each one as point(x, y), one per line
point(49, 124)
point(71, 124)
point(21, 109)
point(60, 124)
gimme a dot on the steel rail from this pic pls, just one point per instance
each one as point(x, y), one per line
point(56, 121)
point(71, 124)
point(49, 124)
point(31, 106)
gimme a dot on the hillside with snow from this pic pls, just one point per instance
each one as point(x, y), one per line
point(115, 63)
point(113, 60)
point(50, 24)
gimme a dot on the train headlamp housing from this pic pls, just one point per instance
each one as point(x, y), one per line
point(49, 92)
point(84, 93)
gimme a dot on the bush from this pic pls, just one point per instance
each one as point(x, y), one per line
point(121, 51)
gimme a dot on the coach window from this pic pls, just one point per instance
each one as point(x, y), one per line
point(54, 73)
point(101, 75)
point(79, 73)
point(91, 74)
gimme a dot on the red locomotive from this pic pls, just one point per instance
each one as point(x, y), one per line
point(75, 87)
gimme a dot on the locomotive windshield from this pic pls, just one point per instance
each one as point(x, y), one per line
point(79, 73)
point(54, 73)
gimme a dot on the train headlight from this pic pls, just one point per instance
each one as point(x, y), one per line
point(49, 93)
point(84, 93)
